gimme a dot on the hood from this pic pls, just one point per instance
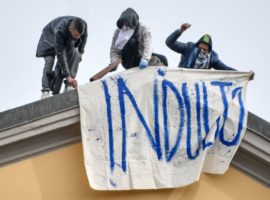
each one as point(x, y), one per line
point(129, 16)
point(206, 39)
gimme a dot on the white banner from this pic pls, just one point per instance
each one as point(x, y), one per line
point(161, 127)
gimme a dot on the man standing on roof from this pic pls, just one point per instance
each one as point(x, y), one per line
point(64, 37)
point(132, 43)
point(195, 55)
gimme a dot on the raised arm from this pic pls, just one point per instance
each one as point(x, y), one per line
point(172, 42)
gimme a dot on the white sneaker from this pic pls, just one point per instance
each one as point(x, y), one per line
point(45, 94)
point(68, 88)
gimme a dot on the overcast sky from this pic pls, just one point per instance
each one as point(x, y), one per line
point(240, 31)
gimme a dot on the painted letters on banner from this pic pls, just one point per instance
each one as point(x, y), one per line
point(160, 127)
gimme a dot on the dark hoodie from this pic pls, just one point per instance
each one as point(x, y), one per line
point(139, 45)
point(206, 39)
point(129, 16)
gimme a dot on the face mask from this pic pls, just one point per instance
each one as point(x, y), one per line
point(203, 54)
point(124, 35)
point(126, 28)
point(202, 61)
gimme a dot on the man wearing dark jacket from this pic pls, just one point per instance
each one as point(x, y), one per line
point(64, 37)
point(195, 55)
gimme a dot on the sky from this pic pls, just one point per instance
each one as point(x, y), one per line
point(240, 32)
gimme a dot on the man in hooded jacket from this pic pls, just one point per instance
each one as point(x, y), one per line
point(195, 55)
point(64, 37)
point(132, 43)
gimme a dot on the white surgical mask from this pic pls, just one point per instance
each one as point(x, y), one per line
point(123, 37)
point(126, 28)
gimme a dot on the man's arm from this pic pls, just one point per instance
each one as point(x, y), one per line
point(221, 66)
point(115, 54)
point(84, 40)
point(147, 44)
point(218, 65)
point(172, 42)
point(61, 54)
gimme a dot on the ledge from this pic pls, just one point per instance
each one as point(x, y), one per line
point(51, 123)
point(39, 127)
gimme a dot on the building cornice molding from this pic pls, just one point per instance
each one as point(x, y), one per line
point(54, 122)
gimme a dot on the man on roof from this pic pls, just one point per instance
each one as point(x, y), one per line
point(65, 38)
point(132, 43)
point(131, 46)
point(199, 55)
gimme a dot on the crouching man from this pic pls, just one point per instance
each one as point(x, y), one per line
point(64, 38)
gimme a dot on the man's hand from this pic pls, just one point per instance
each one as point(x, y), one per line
point(184, 27)
point(143, 63)
point(72, 82)
point(80, 56)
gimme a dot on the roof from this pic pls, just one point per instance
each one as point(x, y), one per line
point(54, 122)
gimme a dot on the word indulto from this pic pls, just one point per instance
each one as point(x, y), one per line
point(183, 99)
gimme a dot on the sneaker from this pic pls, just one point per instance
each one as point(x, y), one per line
point(45, 94)
point(68, 88)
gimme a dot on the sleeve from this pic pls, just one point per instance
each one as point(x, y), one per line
point(219, 65)
point(115, 54)
point(173, 44)
point(83, 43)
point(147, 44)
point(60, 50)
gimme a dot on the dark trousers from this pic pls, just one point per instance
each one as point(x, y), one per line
point(50, 76)
point(47, 73)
